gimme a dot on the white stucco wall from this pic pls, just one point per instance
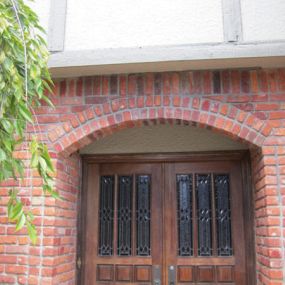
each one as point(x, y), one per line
point(42, 8)
point(134, 23)
point(139, 23)
point(200, 34)
point(263, 20)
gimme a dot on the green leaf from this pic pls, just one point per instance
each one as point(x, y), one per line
point(2, 155)
point(48, 161)
point(7, 126)
point(32, 232)
point(34, 160)
point(47, 100)
point(17, 102)
point(17, 211)
point(8, 144)
point(55, 194)
point(43, 164)
point(25, 113)
point(21, 222)
point(34, 72)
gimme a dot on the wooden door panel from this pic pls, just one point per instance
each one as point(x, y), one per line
point(124, 207)
point(202, 198)
point(221, 258)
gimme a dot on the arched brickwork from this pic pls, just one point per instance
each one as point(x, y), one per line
point(92, 123)
point(243, 105)
point(106, 119)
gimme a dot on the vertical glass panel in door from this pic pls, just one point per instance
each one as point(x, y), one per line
point(106, 215)
point(143, 214)
point(184, 214)
point(223, 215)
point(125, 190)
point(204, 214)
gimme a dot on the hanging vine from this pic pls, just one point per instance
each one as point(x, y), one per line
point(24, 77)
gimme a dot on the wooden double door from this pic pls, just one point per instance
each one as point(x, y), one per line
point(163, 223)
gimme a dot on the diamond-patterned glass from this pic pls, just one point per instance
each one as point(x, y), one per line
point(184, 214)
point(125, 215)
point(143, 214)
point(106, 215)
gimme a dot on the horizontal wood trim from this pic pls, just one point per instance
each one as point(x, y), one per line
point(205, 261)
point(165, 157)
point(132, 260)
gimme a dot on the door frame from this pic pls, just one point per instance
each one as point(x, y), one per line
point(243, 156)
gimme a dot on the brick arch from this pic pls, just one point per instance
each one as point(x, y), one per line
point(101, 120)
point(86, 126)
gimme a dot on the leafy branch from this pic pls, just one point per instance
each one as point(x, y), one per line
point(24, 77)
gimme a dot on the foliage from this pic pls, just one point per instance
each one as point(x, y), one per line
point(24, 77)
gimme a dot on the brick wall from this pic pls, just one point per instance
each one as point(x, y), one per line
point(246, 105)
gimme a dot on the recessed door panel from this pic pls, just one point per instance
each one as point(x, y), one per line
point(204, 230)
point(164, 224)
point(124, 223)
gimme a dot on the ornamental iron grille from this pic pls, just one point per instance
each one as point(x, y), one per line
point(204, 214)
point(223, 215)
point(143, 198)
point(125, 215)
point(106, 215)
point(184, 214)
point(212, 215)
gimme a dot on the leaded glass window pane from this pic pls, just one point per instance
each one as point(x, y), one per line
point(204, 214)
point(184, 214)
point(106, 215)
point(125, 215)
point(223, 215)
point(143, 214)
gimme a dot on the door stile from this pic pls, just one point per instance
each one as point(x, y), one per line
point(92, 203)
point(214, 228)
point(238, 232)
point(157, 245)
point(170, 226)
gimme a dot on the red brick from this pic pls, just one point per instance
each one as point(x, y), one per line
point(132, 85)
point(96, 85)
point(175, 82)
point(245, 81)
point(63, 88)
point(88, 86)
point(185, 102)
point(176, 101)
point(157, 100)
point(16, 269)
point(191, 83)
point(123, 85)
point(184, 83)
point(7, 279)
point(205, 105)
point(149, 78)
point(140, 85)
point(281, 79)
point(207, 82)
point(196, 103)
point(197, 82)
point(166, 84)
point(105, 85)
point(235, 80)
point(272, 80)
